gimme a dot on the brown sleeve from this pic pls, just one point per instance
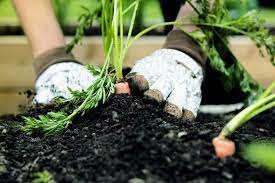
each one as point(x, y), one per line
point(179, 40)
point(50, 57)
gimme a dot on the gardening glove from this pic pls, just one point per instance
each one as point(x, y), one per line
point(57, 71)
point(172, 75)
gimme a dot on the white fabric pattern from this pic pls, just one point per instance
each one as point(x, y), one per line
point(176, 75)
point(56, 79)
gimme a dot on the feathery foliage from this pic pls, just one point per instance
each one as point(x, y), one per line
point(265, 102)
point(85, 20)
point(110, 15)
point(203, 6)
point(43, 177)
point(55, 122)
point(215, 26)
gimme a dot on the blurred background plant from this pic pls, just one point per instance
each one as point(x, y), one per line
point(149, 13)
point(238, 8)
point(68, 11)
point(261, 154)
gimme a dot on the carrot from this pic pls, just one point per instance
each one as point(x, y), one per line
point(223, 147)
point(123, 88)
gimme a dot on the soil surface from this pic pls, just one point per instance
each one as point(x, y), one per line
point(130, 140)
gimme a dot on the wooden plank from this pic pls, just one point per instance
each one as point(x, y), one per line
point(14, 76)
point(91, 51)
point(259, 67)
point(12, 102)
point(16, 70)
point(16, 60)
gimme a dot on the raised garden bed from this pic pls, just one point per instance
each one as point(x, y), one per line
point(127, 139)
point(22, 77)
point(130, 140)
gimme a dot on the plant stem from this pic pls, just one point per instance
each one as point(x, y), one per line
point(129, 7)
point(247, 114)
point(228, 27)
point(103, 28)
point(107, 60)
point(260, 110)
point(121, 25)
point(132, 22)
point(115, 38)
point(268, 90)
point(130, 29)
point(102, 73)
point(119, 58)
point(145, 31)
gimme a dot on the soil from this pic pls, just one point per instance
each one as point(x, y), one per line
point(130, 140)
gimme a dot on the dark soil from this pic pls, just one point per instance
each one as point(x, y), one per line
point(126, 139)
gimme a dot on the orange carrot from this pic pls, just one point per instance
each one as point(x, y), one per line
point(223, 147)
point(123, 88)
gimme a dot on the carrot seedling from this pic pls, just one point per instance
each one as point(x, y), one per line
point(214, 26)
point(110, 14)
point(43, 177)
point(225, 147)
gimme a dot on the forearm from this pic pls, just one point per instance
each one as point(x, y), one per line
point(179, 40)
point(184, 15)
point(40, 25)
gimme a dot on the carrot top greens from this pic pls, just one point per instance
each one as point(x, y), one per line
point(110, 14)
point(263, 103)
point(214, 26)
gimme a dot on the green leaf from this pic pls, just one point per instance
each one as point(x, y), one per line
point(215, 27)
point(85, 20)
point(49, 124)
point(261, 153)
point(203, 6)
point(216, 61)
point(93, 70)
point(43, 177)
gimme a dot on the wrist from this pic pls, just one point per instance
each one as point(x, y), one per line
point(42, 44)
point(179, 40)
point(51, 57)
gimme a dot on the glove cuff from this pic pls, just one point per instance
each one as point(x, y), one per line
point(51, 57)
point(184, 59)
point(181, 41)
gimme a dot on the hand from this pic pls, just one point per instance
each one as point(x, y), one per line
point(56, 79)
point(172, 77)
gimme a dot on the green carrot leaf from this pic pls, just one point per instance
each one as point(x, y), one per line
point(261, 154)
point(43, 177)
point(49, 124)
point(93, 70)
